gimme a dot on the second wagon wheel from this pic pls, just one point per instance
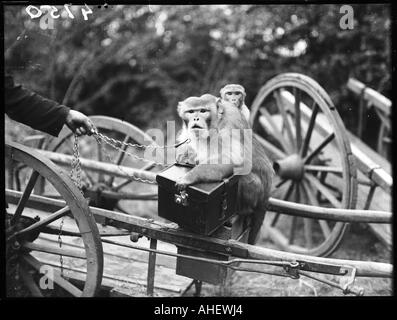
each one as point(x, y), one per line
point(36, 226)
point(108, 191)
point(296, 121)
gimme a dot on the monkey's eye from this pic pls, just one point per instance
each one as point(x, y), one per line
point(203, 110)
point(190, 111)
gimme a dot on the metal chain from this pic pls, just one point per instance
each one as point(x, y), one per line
point(127, 153)
point(75, 173)
point(134, 145)
point(114, 143)
point(60, 245)
point(118, 145)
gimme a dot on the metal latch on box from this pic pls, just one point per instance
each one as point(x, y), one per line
point(181, 198)
point(224, 199)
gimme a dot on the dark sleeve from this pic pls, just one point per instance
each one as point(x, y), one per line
point(32, 109)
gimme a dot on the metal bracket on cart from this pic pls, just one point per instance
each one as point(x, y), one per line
point(346, 283)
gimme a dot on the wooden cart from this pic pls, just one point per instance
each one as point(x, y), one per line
point(51, 223)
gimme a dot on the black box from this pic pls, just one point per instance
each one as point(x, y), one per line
point(202, 208)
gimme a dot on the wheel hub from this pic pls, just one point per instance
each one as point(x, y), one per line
point(291, 167)
point(97, 199)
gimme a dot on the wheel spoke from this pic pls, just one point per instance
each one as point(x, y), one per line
point(122, 184)
point(308, 223)
point(280, 183)
point(332, 169)
point(320, 147)
point(286, 197)
point(89, 178)
point(73, 290)
point(120, 155)
point(297, 95)
point(25, 196)
point(272, 149)
point(284, 115)
point(309, 131)
point(294, 218)
point(323, 224)
point(276, 132)
point(39, 224)
point(323, 190)
point(10, 174)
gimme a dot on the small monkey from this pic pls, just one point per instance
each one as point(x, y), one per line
point(235, 94)
point(209, 118)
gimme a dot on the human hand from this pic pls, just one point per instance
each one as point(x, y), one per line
point(79, 123)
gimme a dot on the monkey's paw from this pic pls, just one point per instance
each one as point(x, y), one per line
point(182, 183)
point(187, 155)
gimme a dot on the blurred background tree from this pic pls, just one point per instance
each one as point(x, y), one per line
point(135, 62)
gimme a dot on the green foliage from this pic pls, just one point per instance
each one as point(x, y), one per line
point(136, 62)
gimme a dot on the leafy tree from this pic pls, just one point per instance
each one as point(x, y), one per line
point(135, 62)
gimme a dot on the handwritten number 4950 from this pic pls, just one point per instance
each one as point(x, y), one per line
point(51, 10)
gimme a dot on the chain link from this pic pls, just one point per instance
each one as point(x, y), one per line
point(60, 244)
point(106, 140)
point(76, 172)
point(135, 145)
point(75, 175)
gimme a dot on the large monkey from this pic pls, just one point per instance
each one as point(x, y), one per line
point(207, 119)
point(235, 94)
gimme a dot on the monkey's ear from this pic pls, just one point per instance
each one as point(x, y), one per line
point(219, 105)
point(180, 108)
point(222, 92)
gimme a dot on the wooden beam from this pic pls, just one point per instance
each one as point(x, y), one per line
point(377, 99)
point(101, 167)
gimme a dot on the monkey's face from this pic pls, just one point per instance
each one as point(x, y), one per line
point(235, 97)
point(198, 118)
point(198, 114)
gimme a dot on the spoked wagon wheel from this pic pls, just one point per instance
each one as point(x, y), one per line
point(296, 121)
point(104, 189)
point(36, 226)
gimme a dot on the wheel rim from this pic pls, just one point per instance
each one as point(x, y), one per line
point(114, 192)
point(299, 150)
point(75, 204)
